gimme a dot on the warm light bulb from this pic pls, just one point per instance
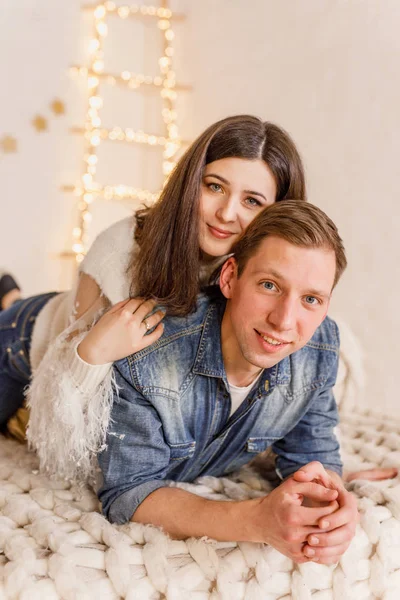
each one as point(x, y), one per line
point(99, 12)
point(92, 82)
point(96, 102)
point(94, 45)
point(123, 12)
point(98, 66)
point(102, 29)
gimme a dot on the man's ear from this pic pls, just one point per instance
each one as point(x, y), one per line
point(228, 277)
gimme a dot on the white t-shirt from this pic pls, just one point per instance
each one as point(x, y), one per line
point(238, 394)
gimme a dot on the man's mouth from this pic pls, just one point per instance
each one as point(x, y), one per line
point(273, 340)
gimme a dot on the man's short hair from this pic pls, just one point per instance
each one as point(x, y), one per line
point(299, 223)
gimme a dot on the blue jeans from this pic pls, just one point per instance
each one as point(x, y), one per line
point(16, 326)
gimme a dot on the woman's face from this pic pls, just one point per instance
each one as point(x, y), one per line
point(233, 192)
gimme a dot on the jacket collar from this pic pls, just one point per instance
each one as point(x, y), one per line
point(209, 360)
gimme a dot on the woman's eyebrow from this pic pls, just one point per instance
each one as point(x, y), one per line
point(217, 177)
point(252, 192)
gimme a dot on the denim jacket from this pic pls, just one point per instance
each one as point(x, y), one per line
point(171, 419)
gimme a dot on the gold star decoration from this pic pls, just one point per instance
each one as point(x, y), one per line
point(58, 107)
point(9, 144)
point(39, 123)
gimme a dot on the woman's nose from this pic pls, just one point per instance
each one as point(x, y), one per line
point(227, 212)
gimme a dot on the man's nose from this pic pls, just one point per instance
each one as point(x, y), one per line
point(227, 212)
point(283, 315)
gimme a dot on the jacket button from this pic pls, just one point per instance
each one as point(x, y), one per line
point(266, 386)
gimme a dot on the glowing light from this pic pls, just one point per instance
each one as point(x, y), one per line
point(100, 12)
point(102, 29)
point(89, 189)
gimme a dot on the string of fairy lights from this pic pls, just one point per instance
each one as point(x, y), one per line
point(93, 132)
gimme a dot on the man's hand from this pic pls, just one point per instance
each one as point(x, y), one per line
point(337, 530)
point(286, 524)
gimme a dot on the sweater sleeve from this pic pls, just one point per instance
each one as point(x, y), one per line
point(70, 402)
point(108, 259)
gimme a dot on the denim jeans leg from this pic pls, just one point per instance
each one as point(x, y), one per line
point(16, 326)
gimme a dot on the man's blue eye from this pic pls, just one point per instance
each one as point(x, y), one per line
point(268, 285)
point(311, 300)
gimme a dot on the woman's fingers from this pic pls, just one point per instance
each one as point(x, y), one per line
point(153, 336)
point(139, 307)
point(152, 321)
point(372, 474)
point(116, 307)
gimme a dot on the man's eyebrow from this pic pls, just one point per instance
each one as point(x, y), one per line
point(277, 275)
point(252, 192)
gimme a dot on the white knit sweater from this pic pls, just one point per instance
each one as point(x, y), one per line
point(70, 400)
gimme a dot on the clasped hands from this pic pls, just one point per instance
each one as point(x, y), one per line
point(312, 516)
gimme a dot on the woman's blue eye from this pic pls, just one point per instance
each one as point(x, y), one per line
point(253, 201)
point(215, 187)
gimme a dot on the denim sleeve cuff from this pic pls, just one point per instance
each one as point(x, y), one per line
point(123, 507)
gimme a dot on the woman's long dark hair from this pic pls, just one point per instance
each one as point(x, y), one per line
point(167, 265)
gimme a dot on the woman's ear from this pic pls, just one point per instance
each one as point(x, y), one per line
point(228, 277)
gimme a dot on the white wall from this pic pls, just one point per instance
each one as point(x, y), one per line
point(326, 70)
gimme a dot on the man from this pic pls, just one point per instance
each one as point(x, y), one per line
point(253, 367)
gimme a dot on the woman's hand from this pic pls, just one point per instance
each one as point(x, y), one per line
point(121, 331)
point(378, 474)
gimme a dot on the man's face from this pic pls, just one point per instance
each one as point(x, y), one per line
point(277, 303)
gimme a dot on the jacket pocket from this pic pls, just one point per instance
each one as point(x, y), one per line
point(19, 360)
point(253, 447)
point(179, 452)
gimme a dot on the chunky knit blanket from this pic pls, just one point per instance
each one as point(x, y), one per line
point(55, 544)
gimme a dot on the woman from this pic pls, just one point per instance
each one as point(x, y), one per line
point(236, 168)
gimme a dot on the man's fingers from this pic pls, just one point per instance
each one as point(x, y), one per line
point(347, 513)
point(373, 474)
point(327, 552)
point(338, 536)
point(314, 491)
point(313, 470)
